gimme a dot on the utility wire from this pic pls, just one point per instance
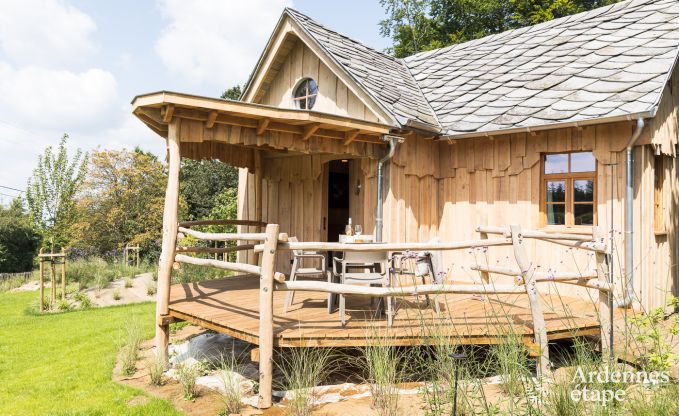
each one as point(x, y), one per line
point(9, 187)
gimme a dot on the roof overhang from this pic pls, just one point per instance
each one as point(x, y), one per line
point(158, 109)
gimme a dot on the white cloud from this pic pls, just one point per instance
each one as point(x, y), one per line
point(46, 98)
point(44, 32)
point(216, 41)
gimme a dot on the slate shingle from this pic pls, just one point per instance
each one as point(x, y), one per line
point(610, 61)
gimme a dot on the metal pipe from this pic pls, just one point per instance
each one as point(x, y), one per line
point(629, 218)
point(392, 140)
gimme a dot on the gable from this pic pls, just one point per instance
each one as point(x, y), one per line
point(288, 58)
point(334, 97)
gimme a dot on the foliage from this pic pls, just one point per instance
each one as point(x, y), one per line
point(19, 241)
point(302, 370)
point(230, 393)
point(202, 182)
point(187, 374)
point(232, 93)
point(96, 270)
point(122, 202)
point(51, 192)
point(422, 25)
point(83, 299)
point(156, 368)
point(658, 354)
point(62, 363)
point(133, 338)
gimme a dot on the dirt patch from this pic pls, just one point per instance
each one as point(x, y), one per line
point(138, 292)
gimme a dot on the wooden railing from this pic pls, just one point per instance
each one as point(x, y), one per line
point(526, 277)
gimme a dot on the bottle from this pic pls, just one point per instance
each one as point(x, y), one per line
point(348, 229)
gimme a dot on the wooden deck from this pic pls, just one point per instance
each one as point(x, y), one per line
point(230, 306)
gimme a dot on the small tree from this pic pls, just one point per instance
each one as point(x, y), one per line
point(19, 241)
point(51, 192)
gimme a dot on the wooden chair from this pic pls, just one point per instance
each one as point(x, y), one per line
point(377, 274)
point(299, 258)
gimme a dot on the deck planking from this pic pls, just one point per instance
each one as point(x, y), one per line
point(231, 306)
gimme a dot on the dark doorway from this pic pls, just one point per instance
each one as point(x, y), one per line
point(338, 198)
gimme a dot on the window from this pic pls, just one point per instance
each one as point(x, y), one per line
point(658, 194)
point(305, 94)
point(569, 189)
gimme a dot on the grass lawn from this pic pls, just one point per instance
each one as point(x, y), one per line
point(61, 364)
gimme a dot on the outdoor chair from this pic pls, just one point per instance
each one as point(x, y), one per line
point(421, 264)
point(302, 258)
point(373, 270)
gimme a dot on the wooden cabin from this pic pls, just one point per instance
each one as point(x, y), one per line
point(559, 127)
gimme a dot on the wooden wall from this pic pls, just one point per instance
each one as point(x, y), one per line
point(334, 96)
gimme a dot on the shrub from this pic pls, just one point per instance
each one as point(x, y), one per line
point(128, 282)
point(187, 374)
point(84, 300)
point(151, 289)
point(116, 294)
point(63, 305)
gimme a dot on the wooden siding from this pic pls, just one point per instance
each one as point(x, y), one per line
point(334, 96)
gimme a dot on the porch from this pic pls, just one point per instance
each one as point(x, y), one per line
point(231, 306)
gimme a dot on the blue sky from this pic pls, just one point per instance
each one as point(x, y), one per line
point(73, 66)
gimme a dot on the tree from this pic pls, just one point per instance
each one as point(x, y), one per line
point(421, 25)
point(122, 202)
point(232, 93)
point(201, 182)
point(19, 241)
point(51, 192)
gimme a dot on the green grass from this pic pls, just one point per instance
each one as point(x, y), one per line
point(61, 364)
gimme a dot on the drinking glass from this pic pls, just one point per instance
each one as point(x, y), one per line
point(358, 229)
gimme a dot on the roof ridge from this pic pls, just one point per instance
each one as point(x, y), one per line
point(598, 11)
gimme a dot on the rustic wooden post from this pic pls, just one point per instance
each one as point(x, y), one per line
point(170, 224)
point(527, 273)
point(137, 257)
point(605, 299)
point(53, 281)
point(42, 280)
point(485, 276)
point(266, 282)
point(63, 274)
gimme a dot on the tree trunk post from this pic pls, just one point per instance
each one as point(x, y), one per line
point(170, 224)
point(266, 286)
point(527, 273)
point(63, 274)
point(53, 283)
point(42, 281)
point(605, 299)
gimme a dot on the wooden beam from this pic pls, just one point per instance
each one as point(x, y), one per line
point(188, 224)
point(404, 291)
point(169, 112)
point(324, 246)
point(262, 125)
point(211, 118)
point(350, 136)
point(310, 130)
point(218, 264)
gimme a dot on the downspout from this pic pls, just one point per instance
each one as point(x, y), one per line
point(629, 219)
point(392, 140)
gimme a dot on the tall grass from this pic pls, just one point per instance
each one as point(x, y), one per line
point(302, 370)
point(98, 272)
point(231, 393)
point(130, 355)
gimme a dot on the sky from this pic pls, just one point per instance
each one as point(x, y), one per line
point(73, 66)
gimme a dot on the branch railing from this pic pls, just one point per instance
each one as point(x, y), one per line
point(526, 276)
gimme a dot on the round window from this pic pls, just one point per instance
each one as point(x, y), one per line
point(305, 94)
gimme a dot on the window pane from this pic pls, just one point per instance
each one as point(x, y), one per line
point(556, 191)
point(584, 190)
point(313, 87)
point(301, 89)
point(583, 162)
point(556, 163)
point(312, 101)
point(584, 214)
point(556, 214)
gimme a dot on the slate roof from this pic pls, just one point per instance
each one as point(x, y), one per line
point(382, 76)
point(609, 62)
